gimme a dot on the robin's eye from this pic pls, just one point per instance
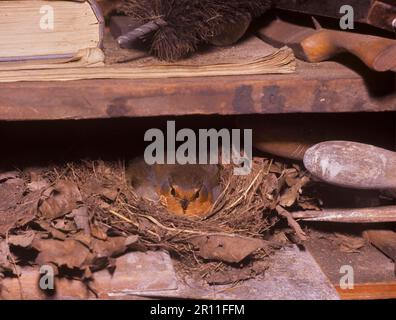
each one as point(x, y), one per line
point(173, 192)
point(196, 195)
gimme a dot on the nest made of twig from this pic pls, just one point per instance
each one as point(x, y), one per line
point(245, 207)
point(88, 210)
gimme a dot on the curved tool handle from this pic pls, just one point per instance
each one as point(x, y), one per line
point(352, 165)
point(377, 53)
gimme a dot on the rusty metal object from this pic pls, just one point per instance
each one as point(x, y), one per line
point(361, 215)
point(376, 13)
point(317, 45)
point(325, 88)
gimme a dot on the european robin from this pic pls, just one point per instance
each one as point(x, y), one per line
point(185, 190)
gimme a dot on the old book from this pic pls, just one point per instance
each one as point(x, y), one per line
point(250, 57)
point(39, 29)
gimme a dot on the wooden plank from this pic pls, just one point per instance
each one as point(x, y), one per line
point(369, 291)
point(294, 274)
point(325, 87)
point(135, 272)
point(374, 276)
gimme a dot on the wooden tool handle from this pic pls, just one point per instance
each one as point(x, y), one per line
point(352, 165)
point(377, 53)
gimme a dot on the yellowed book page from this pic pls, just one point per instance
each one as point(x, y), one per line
point(26, 28)
point(281, 61)
point(90, 57)
point(250, 48)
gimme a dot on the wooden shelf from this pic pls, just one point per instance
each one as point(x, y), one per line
point(325, 87)
point(369, 291)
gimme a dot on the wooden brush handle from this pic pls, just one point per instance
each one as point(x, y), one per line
point(377, 53)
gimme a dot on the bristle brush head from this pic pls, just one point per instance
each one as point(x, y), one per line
point(189, 22)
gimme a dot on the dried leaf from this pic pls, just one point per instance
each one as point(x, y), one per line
point(81, 218)
point(81, 252)
point(98, 233)
point(291, 177)
point(63, 198)
point(69, 253)
point(23, 240)
point(41, 225)
point(21, 215)
point(5, 265)
point(96, 187)
point(64, 225)
point(292, 223)
point(11, 193)
point(226, 248)
point(349, 244)
point(84, 238)
point(309, 205)
point(113, 247)
point(110, 193)
point(37, 185)
point(291, 195)
point(276, 168)
point(57, 234)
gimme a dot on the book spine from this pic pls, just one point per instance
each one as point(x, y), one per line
point(101, 20)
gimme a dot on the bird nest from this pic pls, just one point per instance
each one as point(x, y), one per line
point(90, 203)
point(247, 206)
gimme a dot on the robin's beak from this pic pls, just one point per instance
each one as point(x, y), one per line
point(184, 204)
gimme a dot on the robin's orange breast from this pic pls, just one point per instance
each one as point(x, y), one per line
point(185, 190)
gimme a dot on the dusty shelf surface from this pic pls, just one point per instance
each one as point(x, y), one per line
point(294, 275)
point(374, 273)
point(319, 88)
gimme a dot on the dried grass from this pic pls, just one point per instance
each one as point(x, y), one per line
point(249, 206)
point(245, 207)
